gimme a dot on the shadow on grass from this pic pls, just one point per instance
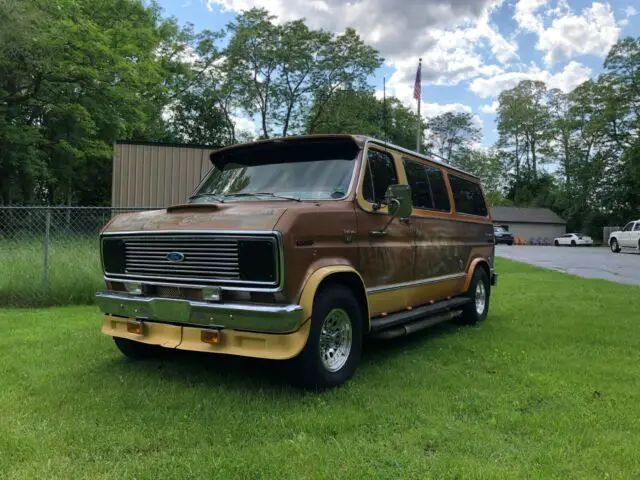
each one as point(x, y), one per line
point(196, 368)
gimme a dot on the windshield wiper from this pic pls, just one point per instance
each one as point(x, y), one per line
point(258, 194)
point(219, 198)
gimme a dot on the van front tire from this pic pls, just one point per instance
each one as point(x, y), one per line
point(135, 350)
point(332, 353)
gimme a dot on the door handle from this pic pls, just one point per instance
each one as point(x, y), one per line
point(377, 233)
point(404, 220)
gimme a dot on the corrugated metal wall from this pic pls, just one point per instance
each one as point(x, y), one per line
point(156, 175)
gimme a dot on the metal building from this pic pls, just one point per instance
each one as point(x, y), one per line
point(156, 174)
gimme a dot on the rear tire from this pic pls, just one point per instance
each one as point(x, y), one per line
point(332, 353)
point(556, 243)
point(136, 350)
point(615, 248)
point(479, 292)
point(573, 243)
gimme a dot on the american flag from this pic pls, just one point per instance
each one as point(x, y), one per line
point(416, 88)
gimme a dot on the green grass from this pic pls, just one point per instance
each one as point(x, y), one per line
point(548, 387)
point(74, 273)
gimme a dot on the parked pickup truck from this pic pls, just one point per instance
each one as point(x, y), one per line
point(298, 249)
point(628, 237)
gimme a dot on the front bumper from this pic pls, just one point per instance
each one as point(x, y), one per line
point(245, 317)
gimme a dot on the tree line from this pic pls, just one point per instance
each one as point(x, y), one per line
point(76, 75)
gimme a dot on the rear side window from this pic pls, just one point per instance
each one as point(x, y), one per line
point(467, 196)
point(428, 190)
point(637, 227)
point(380, 173)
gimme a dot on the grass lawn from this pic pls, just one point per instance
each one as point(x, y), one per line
point(548, 387)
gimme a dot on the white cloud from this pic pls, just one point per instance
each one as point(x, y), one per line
point(434, 109)
point(526, 17)
point(490, 108)
point(452, 36)
point(393, 29)
point(628, 13)
point(566, 80)
point(592, 32)
point(244, 124)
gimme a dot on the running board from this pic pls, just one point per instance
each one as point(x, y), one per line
point(408, 316)
point(412, 327)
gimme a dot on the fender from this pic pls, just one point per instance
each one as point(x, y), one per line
point(316, 278)
point(475, 263)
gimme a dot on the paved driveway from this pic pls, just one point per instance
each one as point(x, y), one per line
point(588, 262)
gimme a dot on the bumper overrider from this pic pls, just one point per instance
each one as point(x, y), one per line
point(277, 319)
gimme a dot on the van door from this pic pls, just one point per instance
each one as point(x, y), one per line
point(474, 230)
point(386, 255)
point(438, 268)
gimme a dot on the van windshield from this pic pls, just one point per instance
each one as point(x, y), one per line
point(318, 170)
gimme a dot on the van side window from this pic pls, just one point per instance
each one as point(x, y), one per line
point(428, 190)
point(380, 173)
point(467, 196)
point(637, 227)
point(438, 189)
point(420, 190)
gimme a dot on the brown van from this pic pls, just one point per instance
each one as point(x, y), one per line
point(297, 249)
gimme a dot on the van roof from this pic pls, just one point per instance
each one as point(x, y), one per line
point(361, 140)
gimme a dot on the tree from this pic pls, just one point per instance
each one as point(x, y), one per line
point(452, 135)
point(360, 112)
point(74, 77)
point(523, 124)
point(281, 71)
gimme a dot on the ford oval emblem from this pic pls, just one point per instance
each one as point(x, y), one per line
point(175, 257)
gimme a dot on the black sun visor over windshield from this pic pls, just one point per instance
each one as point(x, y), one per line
point(286, 151)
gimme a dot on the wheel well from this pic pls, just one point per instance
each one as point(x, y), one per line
point(484, 266)
point(353, 283)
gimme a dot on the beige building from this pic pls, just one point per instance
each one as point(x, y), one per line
point(156, 174)
point(530, 223)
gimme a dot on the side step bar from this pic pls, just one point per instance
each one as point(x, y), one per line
point(379, 324)
point(416, 326)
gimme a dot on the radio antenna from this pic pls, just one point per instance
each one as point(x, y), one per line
point(384, 110)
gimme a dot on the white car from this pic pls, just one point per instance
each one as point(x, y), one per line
point(628, 237)
point(573, 240)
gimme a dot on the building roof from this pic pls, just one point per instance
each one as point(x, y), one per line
point(525, 215)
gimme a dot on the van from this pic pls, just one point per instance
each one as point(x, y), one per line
point(299, 249)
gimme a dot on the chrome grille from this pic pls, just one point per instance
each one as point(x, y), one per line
point(194, 258)
point(205, 256)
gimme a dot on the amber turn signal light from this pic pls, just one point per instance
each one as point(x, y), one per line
point(212, 337)
point(134, 327)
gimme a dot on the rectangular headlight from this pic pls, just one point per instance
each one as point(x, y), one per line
point(257, 260)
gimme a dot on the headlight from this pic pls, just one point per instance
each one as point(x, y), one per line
point(257, 259)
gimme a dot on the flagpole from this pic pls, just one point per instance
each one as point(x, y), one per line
point(419, 100)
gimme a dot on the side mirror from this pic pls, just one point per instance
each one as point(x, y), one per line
point(398, 199)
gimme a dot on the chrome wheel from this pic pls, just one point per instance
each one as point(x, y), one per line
point(335, 339)
point(481, 297)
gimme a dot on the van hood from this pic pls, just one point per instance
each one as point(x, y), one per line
point(232, 216)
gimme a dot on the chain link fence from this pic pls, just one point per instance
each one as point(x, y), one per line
point(50, 255)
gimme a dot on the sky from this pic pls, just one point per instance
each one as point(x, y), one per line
point(471, 50)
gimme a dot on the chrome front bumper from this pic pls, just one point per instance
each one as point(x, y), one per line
point(248, 317)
